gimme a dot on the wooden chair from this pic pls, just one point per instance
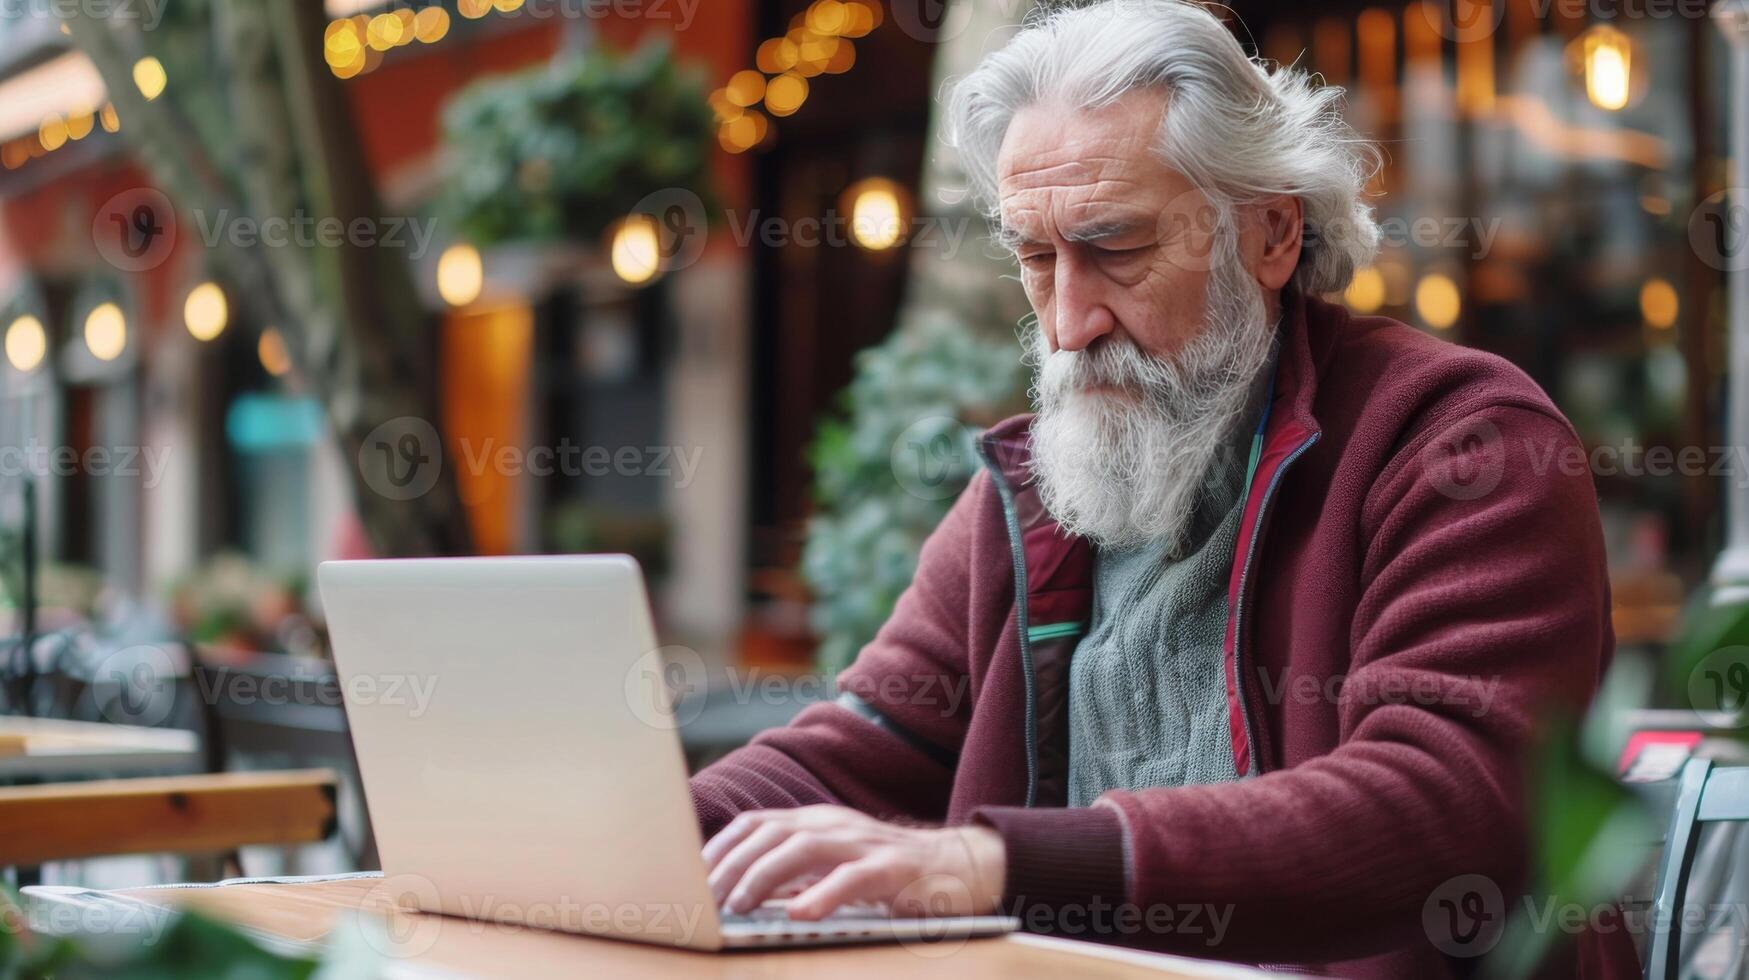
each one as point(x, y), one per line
point(1704, 794)
point(199, 814)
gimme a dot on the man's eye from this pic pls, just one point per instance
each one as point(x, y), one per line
point(1038, 261)
point(1123, 253)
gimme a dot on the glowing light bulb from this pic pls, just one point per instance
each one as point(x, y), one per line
point(1437, 301)
point(149, 77)
point(206, 312)
point(271, 349)
point(1608, 67)
point(636, 251)
point(1659, 303)
point(877, 218)
point(461, 274)
point(785, 94)
point(106, 331)
point(26, 343)
point(1366, 293)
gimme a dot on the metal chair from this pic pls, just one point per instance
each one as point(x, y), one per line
point(1704, 794)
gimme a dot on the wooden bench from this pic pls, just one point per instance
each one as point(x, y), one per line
point(197, 814)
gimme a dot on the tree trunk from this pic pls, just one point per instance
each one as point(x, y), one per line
point(350, 314)
point(975, 285)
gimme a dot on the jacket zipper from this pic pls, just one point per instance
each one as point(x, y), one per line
point(1239, 604)
point(1018, 547)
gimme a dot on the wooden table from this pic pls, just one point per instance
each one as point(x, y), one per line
point(53, 748)
point(429, 945)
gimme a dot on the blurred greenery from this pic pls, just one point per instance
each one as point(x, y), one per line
point(950, 367)
point(192, 946)
point(234, 601)
point(1708, 629)
point(936, 380)
point(1589, 831)
point(565, 150)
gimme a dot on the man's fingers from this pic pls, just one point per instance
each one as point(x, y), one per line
point(737, 831)
point(803, 853)
point(728, 871)
point(864, 880)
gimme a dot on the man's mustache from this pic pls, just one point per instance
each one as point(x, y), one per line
point(1113, 363)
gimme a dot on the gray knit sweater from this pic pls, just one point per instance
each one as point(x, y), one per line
point(1147, 692)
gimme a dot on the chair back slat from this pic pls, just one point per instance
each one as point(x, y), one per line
point(1726, 796)
point(1663, 952)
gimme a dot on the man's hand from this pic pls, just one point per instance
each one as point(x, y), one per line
point(913, 871)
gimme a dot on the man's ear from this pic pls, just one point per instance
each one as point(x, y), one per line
point(1280, 220)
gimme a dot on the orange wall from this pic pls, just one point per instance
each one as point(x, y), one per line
point(485, 379)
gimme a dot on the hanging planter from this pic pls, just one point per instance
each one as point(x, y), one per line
point(563, 153)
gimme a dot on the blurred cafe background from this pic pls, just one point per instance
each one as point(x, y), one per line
point(289, 281)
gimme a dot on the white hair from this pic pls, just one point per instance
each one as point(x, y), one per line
point(1236, 129)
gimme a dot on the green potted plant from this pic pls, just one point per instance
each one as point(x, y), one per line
point(877, 495)
point(559, 154)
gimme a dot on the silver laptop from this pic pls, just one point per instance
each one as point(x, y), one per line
point(520, 759)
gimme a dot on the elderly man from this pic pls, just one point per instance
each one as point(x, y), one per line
point(1256, 615)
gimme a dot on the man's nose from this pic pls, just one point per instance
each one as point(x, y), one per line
point(1083, 316)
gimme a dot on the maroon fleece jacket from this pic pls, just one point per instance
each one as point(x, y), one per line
point(1420, 576)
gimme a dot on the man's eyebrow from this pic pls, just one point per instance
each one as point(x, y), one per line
point(1097, 230)
point(1008, 238)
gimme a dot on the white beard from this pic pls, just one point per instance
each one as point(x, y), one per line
point(1123, 469)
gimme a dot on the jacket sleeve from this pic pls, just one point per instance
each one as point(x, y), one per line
point(1479, 612)
point(889, 744)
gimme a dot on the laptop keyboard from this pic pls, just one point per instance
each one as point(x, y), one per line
point(776, 916)
point(764, 913)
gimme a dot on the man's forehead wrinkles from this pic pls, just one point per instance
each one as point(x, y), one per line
point(1084, 186)
point(1113, 190)
point(1109, 192)
point(1113, 206)
point(1120, 159)
point(1068, 171)
point(1075, 158)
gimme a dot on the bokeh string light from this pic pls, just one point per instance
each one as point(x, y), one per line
point(355, 45)
point(58, 131)
point(820, 41)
